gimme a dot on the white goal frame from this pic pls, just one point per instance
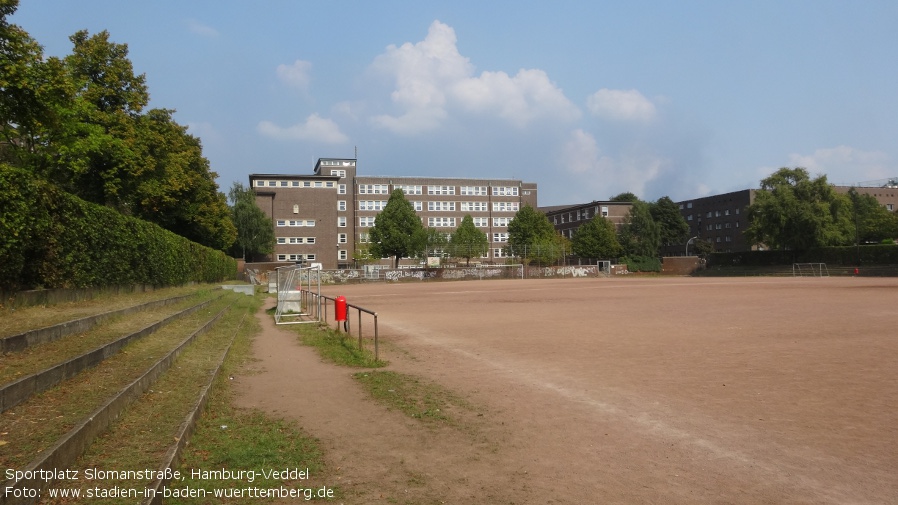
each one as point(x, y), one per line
point(298, 295)
point(809, 270)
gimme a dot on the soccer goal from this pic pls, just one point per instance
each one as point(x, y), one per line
point(299, 295)
point(809, 270)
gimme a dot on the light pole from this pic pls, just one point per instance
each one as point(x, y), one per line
point(687, 244)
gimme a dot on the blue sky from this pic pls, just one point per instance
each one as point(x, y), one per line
point(586, 98)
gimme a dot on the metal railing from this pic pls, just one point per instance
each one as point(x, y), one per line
point(314, 302)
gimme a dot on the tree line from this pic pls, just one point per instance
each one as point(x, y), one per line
point(82, 122)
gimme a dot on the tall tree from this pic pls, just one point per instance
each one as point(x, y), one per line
point(640, 235)
point(397, 230)
point(532, 237)
point(624, 197)
point(596, 239)
point(873, 222)
point(468, 242)
point(255, 233)
point(34, 93)
point(792, 211)
point(673, 228)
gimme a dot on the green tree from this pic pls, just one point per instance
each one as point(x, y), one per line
point(791, 211)
point(34, 94)
point(468, 242)
point(596, 238)
point(531, 236)
point(640, 235)
point(397, 230)
point(435, 242)
point(673, 228)
point(624, 197)
point(255, 233)
point(873, 222)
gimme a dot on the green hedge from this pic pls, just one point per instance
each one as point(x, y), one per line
point(879, 254)
point(52, 239)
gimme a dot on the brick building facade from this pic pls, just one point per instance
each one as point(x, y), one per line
point(322, 218)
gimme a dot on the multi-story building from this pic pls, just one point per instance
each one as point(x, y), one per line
point(568, 218)
point(324, 217)
point(719, 219)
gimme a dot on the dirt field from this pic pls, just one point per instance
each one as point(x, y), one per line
point(631, 390)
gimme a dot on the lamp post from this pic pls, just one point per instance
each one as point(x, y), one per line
point(687, 244)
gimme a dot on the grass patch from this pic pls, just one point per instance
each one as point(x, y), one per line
point(414, 397)
point(242, 439)
point(337, 347)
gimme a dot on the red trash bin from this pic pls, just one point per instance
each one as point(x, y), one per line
point(340, 308)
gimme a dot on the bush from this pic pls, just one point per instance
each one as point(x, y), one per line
point(642, 264)
point(52, 239)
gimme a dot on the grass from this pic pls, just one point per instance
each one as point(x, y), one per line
point(336, 347)
point(416, 398)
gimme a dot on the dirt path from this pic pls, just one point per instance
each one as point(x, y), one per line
point(605, 391)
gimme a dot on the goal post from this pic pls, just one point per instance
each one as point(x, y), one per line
point(809, 270)
point(298, 295)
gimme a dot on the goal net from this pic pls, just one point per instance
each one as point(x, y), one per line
point(809, 270)
point(298, 295)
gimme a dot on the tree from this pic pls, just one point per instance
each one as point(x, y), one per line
point(596, 238)
point(468, 242)
point(673, 228)
point(33, 94)
point(255, 234)
point(640, 235)
point(624, 197)
point(873, 222)
point(397, 230)
point(531, 236)
point(435, 242)
point(794, 212)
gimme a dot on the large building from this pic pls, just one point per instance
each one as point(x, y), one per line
point(324, 217)
point(567, 218)
point(719, 219)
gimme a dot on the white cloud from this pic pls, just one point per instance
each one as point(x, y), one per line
point(315, 128)
point(621, 105)
point(519, 99)
point(295, 75)
point(201, 29)
point(431, 77)
point(845, 164)
point(607, 175)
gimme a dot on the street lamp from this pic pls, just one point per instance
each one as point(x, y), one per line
point(687, 244)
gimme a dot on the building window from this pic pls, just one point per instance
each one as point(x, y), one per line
point(441, 222)
point(473, 190)
point(481, 222)
point(418, 206)
point(341, 204)
point(501, 222)
point(260, 183)
point(505, 207)
point(474, 206)
point(341, 189)
point(505, 191)
point(310, 257)
point(364, 238)
point(374, 189)
point(689, 217)
point(500, 237)
point(339, 173)
point(295, 209)
point(282, 240)
point(500, 252)
point(366, 221)
point(341, 221)
point(441, 206)
point(341, 238)
point(440, 190)
point(342, 255)
point(295, 184)
point(377, 205)
point(410, 190)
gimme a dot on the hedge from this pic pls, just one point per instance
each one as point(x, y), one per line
point(846, 256)
point(52, 239)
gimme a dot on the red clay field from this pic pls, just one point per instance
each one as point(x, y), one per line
point(619, 390)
